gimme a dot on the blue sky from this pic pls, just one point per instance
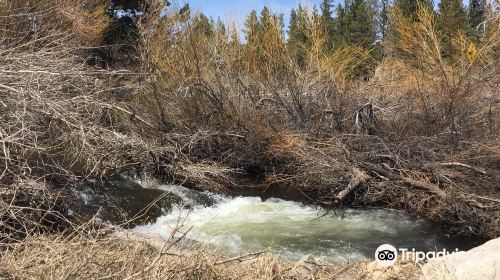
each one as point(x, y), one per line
point(237, 10)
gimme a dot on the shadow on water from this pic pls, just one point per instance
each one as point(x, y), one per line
point(124, 201)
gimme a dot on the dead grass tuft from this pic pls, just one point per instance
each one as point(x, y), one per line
point(60, 257)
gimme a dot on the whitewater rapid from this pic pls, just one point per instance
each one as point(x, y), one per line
point(291, 229)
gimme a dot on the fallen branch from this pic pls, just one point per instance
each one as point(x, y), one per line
point(482, 197)
point(379, 170)
point(132, 115)
point(357, 178)
point(476, 169)
point(9, 88)
point(242, 258)
point(238, 258)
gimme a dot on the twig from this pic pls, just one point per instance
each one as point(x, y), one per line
point(242, 257)
point(477, 169)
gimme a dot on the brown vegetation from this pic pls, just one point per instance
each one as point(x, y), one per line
point(421, 135)
point(108, 257)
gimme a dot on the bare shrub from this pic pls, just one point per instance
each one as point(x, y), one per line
point(442, 95)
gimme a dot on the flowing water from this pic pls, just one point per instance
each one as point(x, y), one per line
point(291, 229)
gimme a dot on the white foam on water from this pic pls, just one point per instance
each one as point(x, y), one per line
point(243, 224)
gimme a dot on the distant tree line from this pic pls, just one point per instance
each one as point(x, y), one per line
point(361, 23)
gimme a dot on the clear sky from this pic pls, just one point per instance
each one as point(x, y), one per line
point(237, 10)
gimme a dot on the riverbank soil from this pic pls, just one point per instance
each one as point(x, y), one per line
point(87, 95)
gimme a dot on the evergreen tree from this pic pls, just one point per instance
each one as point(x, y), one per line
point(292, 28)
point(202, 25)
point(409, 8)
point(280, 19)
point(452, 20)
point(234, 36)
point(185, 11)
point(220, 28)
point(266, 21)
point(355, 25)
point(297, 40)
point(360, 24)
point(340, 27)
point(327, 22)
point(267, 25)
point(252, 30)
point(384, 18)
point(252, 34)
point(477, 13)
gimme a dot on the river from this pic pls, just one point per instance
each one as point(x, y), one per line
point(237, 225)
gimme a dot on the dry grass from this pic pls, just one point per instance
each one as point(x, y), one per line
point(106, 257)
point(29, 208)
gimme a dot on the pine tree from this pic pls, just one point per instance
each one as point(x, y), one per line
point(452, 20)
point(355, 25)
point(477, 13)
point(234, 36)
point(267, 28)
point(252, 34)
point(220, 28)
point(266, 23)
point(409, 8)
point(297, 34)
point(292, 28)
point(384, 19)
point(327, 23)
point(252, 29)
point(280, 19)
point(202, 25)
point(293, 32)
point(340, 27)
point(361, 24)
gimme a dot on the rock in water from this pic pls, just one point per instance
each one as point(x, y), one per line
point(305, 269)
point(480, 263)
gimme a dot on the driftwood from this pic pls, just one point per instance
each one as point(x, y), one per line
point(382, 171)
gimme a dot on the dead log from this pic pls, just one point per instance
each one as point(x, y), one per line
point(380, 170)
point(357, 178)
